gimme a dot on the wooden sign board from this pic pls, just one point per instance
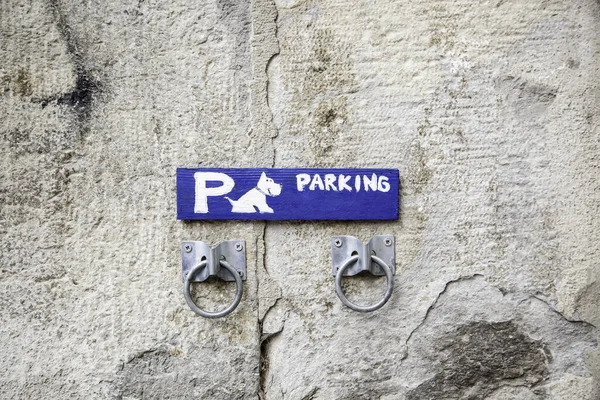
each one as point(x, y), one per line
point(287, 194)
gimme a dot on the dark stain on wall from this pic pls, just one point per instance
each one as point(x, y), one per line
point(150, 375)
point(87, 84)
point(82, 97)
point(19, 84)
point(479, 357)
point(329, 66)
point(330, 118)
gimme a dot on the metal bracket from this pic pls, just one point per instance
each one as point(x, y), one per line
point(232, 251)
point(344, 247)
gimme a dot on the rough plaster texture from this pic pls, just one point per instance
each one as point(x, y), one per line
point(488, 108)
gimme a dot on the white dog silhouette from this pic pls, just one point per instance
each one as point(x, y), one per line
point(256, 198)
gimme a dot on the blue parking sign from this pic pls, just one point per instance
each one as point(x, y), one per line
point(287, 194)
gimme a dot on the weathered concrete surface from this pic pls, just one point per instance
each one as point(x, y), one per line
point(490, 111)
point(101, 102)
point(488, 108)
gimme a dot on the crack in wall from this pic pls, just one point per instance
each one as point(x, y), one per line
point(311, 395)
point(512, 343)
point(268, 99)
point(267, 67)
point(265, 49)
point(554, 310)
point(264, 364)
point(265, 342)
point(264, 254)
point(433, 304)
point(463, 278)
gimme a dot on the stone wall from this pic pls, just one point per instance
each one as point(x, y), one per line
point(489, 109)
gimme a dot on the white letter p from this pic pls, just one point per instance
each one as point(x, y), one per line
point(202, 192)
point(301, 181)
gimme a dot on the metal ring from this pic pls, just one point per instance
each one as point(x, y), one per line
point(216, 314)
point(380, 303)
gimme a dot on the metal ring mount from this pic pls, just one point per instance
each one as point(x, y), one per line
point(355, 307)
point(215, 314)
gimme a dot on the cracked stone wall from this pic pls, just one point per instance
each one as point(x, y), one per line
point(489, 109)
